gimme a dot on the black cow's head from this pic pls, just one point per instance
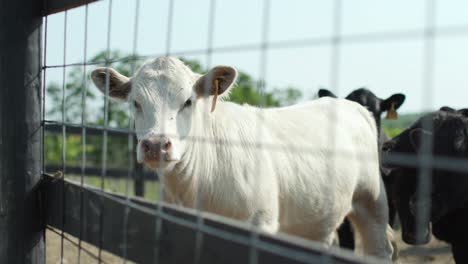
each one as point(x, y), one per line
point(463, 111)
point(449, 139)
point(368, 99)
point(404, 188)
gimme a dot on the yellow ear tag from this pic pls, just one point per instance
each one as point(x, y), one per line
point(215, 97)
point(392, 113)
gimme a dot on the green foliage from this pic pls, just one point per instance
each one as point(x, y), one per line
point(194, 65)
point(72, 91)
point(117, 154)
point(403, 121)
point(392, 132)
point(72, 111)
point(246, 90)
point(287, 96)
point(394, 127)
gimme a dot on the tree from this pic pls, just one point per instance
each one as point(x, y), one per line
point(287, 96)
point(75, 83)
point(94, 115)
point(246, 91)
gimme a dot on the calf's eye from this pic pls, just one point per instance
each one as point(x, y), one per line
point(137, 106)
point(187, 103)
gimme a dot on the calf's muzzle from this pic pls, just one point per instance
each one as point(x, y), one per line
point(156, 148)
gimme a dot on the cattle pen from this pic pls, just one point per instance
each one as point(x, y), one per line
point(47, 187)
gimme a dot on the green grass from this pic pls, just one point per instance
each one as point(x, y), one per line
point(119, 185)
point(392, 132)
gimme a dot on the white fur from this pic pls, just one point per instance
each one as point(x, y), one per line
point(299, 169)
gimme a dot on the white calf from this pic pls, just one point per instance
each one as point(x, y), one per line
point(276, 167)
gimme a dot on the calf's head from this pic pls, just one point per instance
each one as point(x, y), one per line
point(165, 95)
point(404, 189)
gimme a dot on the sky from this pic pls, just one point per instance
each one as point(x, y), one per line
point(395, 62)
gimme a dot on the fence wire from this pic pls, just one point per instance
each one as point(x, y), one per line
point(426, 161)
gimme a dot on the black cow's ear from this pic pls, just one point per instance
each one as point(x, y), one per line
point(447, 109)
point(391, 104)
point(463, 111)
point(459, 143)
point(396, 100)
point(325, 93)
point(419, 138)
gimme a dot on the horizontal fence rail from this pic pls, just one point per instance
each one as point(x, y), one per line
point(74, 129)
point(225, 241)
point(92, 171)
point(54, 6)
point(138, 174)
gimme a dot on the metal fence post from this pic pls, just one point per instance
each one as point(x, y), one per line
point(21, 228)
point(139, 180)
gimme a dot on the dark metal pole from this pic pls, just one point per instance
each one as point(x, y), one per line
point(21, 229)
point(139, 180)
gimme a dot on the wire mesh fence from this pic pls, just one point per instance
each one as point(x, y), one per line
point(91, 140)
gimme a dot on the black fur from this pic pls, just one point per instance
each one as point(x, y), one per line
point(449, 192)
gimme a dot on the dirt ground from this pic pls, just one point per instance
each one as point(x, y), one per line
point(89, 254)
point(435, 252)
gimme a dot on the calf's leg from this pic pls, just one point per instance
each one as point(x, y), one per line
point(370, 219)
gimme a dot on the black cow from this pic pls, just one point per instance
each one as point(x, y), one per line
point(376, 106)
point(448, 205)
point(368, 99)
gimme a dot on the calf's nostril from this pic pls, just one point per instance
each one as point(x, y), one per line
point(152, 148)
point(167, 145)
point(145, 145)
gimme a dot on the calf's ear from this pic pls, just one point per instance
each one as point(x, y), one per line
point(396, 100)
point(325, 92)
point(419, 138)
point(215, 82)
point(119, 85)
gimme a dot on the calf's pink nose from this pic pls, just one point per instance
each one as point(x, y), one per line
point(151, 147)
